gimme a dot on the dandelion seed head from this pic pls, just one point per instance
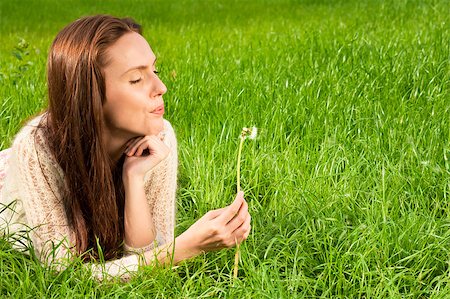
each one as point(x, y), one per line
point(249, 132)
point(244, 133)
point(253, 133)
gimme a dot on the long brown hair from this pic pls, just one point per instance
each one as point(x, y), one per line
point(94, 198)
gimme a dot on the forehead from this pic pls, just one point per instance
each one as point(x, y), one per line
point(128, 51)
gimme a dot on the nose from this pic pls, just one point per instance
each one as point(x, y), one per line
point(158, 87)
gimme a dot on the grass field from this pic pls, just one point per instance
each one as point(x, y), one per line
point(349, 181)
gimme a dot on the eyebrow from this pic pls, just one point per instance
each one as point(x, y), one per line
point(139, 67)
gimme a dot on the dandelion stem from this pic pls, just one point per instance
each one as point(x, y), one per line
point(236, 261)
point(238, 169)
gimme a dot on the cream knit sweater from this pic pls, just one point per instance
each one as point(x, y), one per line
point(33, 186)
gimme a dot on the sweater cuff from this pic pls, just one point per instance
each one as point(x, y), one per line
point(137, 250)
point(122, 268)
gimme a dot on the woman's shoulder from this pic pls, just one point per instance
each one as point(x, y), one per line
point(31, 144)
point(26, 137)
point(30, 151)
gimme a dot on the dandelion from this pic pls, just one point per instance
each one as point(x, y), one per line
point(251, 134)
point(246, 133)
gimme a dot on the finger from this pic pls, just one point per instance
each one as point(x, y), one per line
point(132, 143)
point(151, 143)
point(239, 219)
point(242, 232)
point(244, 227)
point(138, 147)
point(214, 213)
point(232, 209)
point(248, 232)
point(133, 147)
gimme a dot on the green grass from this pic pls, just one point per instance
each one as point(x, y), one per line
point(349, 182)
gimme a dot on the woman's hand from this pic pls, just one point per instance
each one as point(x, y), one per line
point(217, 229)
point(143, 154)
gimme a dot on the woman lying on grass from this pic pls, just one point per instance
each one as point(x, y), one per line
point(97, 170)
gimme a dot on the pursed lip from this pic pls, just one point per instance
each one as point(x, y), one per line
point(159, 110)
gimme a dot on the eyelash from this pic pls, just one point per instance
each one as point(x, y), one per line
point(138, 80)
point(135, 81)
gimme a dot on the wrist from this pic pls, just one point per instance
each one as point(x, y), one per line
point(132, 179)
point(184, 247)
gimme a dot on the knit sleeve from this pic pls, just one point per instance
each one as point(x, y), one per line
point(41, 187)
point(160, 189)
point(160, 185)
point(41, 182)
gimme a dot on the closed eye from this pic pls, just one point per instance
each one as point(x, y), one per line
point(135, 81)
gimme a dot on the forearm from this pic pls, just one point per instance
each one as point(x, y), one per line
point(171, 253)
point(168, 254)
point(138, 222)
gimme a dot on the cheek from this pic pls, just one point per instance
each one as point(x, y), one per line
point(126, 109)
point(111, 113)
point(114, 107)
